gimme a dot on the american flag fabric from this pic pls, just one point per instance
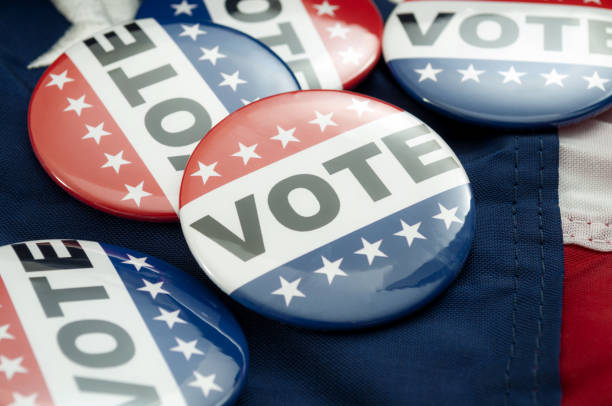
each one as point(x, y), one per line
point(379, 254)
point(83, 323)
point(329, 44)
point(519, 64)
point(122, 152)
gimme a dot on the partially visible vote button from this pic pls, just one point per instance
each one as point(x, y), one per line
point(115, 119)
point(327, 209)
point(84, 323)
point(329, 44)
point(521, 64)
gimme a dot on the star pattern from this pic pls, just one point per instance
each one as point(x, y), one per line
point(153, 289)
point(95, 133)
point(22, 400)
point(77, 105)
point(4, 334)
point(59, 80)
point(232, 80)
point(186, 348)
point(448, 216)
point(206, 383)
point(553, 77)
point(371, 250)
point(326, 8)
point(170, 318)
point(360, 106)
point(246, 153)
point(331, 269)
point(115, 161)
point(511, 75)
point(191, 31)
point(206, 171)
point(428, 73)
point(289, 290)
point(10, 367)
point(323, 120)
point(136, 193)
point(350, 56)
point(470, 74)
point(410, 232)
point(285, 136)
point(596, 81)
point(211, 55)
point(338, 30)
point(183, 7)
point(137, 263)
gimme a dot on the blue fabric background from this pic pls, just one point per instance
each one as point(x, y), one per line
point(491, 338)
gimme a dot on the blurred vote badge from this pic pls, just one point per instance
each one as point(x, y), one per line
point(83, 323)
point(115, 119)
point(327, 209)
point(329, 44)
point(504, 63)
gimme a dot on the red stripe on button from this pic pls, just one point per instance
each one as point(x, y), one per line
point(76, 163)
point(586, 332)
point(20, 375)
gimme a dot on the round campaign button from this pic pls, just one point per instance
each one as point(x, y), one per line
point(84, 323)
point(115, 119)
point(504, 63)
point(329, 44)
point(327, 209)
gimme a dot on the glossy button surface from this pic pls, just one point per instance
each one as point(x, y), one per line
point(83, 323)
point(115, 118)
point(504, 63)
point(327, 209)
point(329, 44)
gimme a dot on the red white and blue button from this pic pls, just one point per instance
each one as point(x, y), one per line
point(115, 119)
point(329, 44)
point(504, 63)
point(84, 323)
point(327, 209)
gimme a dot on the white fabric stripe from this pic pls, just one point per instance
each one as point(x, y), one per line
point(585, 182)
point(293, 12)
point(147, 367)
point(187, 84)
point(528, 48)
point(357, 208)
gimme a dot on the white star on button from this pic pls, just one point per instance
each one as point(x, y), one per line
point(289, 290)
point(77, 105)
point(191, 31)
point(232, 80)
point(331, 269)
point(10, 367)
point(136, 193)
point(115, 161)
point(553, 77)
point(246, 153)
point(284, 136)
point(371, 250)
point(410, 232)
point(206, 383)
point(470, 74)
point(360, 106)
point(326, 9)
point(96, 133)
point(21, 400)
point(170, 318)
point(4, 334)
point(186, 348)
point(183, 8)
point(206, 171)
point(511, 75)
point(350, 56)
point(59, 80)
point(592, 1)
point(323, 120)
point(448, 216)
point(596, 81)
point(138, 263)
point(428, 73)
point(338, 31)
point(212, 55)
point(153, 289)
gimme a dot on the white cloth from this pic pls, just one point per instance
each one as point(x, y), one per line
point(585, 182)
point(87, 18)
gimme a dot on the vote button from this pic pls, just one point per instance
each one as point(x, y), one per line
point(85, 323)
point(327, 209)
point(511, 64)
point(114, 120)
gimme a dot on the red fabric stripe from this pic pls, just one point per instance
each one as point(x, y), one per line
point(57, 138)
point(260, 120)
point(586, 334)
point(23, 384)
point(366, 27)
